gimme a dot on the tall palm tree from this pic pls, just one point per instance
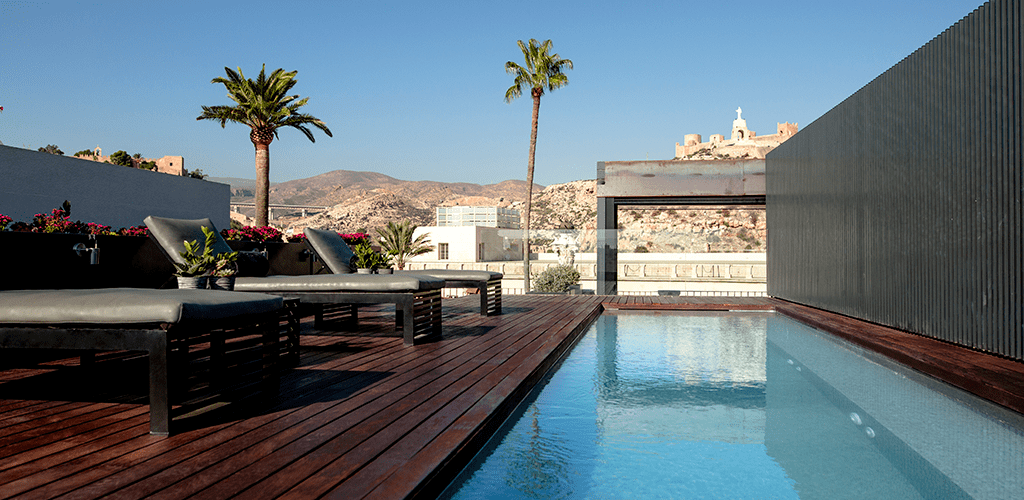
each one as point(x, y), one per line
point(542, 71)
point(397, 240)
point(265, 106)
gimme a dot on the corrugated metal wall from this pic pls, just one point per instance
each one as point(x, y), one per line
point(903, 204)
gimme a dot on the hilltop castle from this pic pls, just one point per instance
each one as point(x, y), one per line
point(174, 165)
point(744, 143)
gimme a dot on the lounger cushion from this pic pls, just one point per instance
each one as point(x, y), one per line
point(455, 274)
point(381, 283)
point(331, 248)
point(171, 235)
point(113, 306)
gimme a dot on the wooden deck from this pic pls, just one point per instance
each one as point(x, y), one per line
point(362, 416)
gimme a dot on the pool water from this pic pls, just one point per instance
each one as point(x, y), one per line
point(743, 405)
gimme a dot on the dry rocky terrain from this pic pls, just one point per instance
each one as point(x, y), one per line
point(367, 201)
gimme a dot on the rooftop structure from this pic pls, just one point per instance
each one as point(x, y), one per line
point(503, 218)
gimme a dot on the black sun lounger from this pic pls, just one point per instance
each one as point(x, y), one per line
point(194, 338)
point(417, 298)
point(336, 255)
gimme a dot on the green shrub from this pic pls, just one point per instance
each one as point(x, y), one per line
point(556, 279)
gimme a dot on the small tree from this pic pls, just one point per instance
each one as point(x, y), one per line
point(86, 152)
point(148, 165)
point(195, 174)
point(397, 240)
point(52, 149)
point(121, 158)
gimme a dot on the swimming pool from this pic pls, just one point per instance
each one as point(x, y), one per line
point(743, 405)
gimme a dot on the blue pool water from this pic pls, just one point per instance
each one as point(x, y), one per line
point(743, 405)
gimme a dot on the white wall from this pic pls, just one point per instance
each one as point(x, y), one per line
point(32, 182)
point(463, 242)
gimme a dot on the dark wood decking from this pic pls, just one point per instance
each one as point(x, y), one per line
point(362, 416)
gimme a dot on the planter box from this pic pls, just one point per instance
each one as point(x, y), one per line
point(291, 259)
point(41, 260)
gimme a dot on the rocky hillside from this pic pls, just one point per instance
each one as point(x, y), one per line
point(366, 212)
point(367, 201)
point(666, 229)
point(344, 186)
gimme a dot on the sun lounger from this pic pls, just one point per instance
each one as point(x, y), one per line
point(336, 255)
point(222, 340)
point(417, 299)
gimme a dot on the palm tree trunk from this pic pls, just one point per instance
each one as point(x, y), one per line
point(262, 184)
point(529, 192)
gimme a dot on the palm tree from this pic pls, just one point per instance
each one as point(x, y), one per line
point(265, 106)
point(397, 240)
point(542, 71)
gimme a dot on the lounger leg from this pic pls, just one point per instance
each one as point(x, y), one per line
point(159, 393)
point(482, 289)
point(271, 357)
point(404, 314)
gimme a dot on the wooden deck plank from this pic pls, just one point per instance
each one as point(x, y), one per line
point(427, 420)
point(241, 464)
point(385, 417)
point(361, 416)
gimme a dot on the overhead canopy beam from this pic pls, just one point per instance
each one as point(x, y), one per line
point(684, 183)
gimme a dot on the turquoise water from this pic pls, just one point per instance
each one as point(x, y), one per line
point(743, 405)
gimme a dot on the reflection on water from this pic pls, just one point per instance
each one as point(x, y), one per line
point(740, 405)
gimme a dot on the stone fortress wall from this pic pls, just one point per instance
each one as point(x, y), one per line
point(174, 165)
point(742, 143)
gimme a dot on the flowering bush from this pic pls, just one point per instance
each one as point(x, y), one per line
point(296, 238)
point(134, 231)
point(93, 228)
point(355, 238)
point(57, 222)
point(4, 220)
point(252, 233)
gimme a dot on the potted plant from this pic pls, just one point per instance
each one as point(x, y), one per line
point(225, 268)
point(367, 259)
point(193, 274)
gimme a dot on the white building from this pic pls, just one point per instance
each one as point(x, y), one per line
point(471, 244)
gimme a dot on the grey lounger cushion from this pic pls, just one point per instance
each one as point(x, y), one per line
point(128, 306)
point(454, 274)
point(171, 234)
point(331, 248)
point(380, 283)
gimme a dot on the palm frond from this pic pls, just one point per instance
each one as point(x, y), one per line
point(542, 71)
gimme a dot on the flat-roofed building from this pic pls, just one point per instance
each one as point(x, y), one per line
point(503, 218)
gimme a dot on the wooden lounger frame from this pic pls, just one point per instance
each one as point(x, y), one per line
point(490, 293)
point(417, 314)
point(188, 363)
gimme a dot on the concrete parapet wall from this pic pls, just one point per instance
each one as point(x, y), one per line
point(36, 182)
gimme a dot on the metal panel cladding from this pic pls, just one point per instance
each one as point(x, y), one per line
point(902, 205)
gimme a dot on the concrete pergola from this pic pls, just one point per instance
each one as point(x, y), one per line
point(670, 182)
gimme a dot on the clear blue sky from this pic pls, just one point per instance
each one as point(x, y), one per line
point(415, 90)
